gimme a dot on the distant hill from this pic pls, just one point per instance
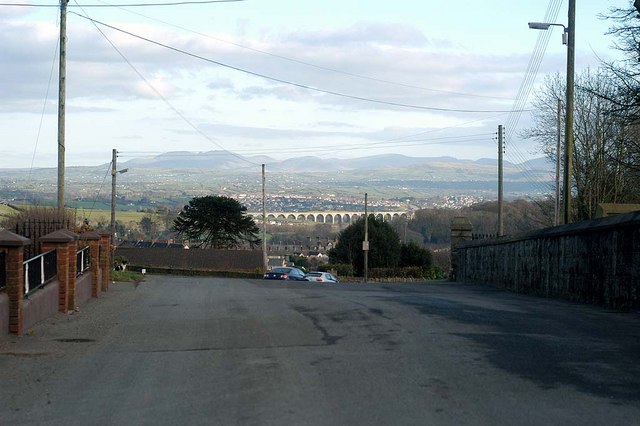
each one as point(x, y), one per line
point(194, 160)
point(220, 160)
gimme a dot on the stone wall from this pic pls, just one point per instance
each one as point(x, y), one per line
point(595, 261)
point(193, 259)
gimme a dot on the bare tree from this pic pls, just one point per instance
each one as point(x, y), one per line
point(603, 155)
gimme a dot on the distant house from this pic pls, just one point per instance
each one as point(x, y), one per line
point(317, 258)
point(276, 261)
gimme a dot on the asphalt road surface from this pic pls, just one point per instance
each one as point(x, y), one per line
point(214, 351)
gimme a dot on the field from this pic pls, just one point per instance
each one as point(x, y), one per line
point(94, 216)
point(6, 211)
point(105, 215)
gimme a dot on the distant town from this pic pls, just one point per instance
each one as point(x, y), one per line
point(418, 184)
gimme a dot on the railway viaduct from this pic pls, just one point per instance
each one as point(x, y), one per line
point(332, 217)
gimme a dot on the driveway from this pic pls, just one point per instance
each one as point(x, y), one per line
point(182, 350)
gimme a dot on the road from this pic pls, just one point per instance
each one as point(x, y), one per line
point(214, 351)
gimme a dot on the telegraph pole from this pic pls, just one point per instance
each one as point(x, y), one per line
point(500, 183)
point(62, 75)
point(365, 243)
point(114, 171)
point(265, 261)
point(556, 219)
point(568, 129)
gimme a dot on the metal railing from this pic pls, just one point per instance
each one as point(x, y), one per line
point(3, 270)
point(82, 263)
point(484, 236)
point(36, 228)
point(39, 270)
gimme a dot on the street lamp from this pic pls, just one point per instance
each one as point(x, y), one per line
point(545, 26)
point(568, 38)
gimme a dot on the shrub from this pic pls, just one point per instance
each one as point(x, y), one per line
point(412, 254)
point(341, 269)
point(406, 272)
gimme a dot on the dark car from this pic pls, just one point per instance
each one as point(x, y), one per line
point(283, 273)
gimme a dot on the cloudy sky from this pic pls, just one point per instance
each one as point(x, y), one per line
point(284, 78)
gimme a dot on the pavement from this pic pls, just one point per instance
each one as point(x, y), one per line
point(199, 350)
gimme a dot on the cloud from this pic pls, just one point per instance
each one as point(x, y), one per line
point(382, 61)
point(362, 33)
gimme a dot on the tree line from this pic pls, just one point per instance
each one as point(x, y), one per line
point(606, 154)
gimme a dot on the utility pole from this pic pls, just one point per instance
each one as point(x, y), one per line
point(500, 183)
point(62, 76)
point(114, 171)
point(365, 243)
point(568, 130)
point(406, 222)
point(265, 261)
point(556, 218)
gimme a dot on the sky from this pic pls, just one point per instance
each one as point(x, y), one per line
point(282, 78)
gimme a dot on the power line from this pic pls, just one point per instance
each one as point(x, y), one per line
point(165, 100)
point(95, 200)
point(328, 148)
point(524, 91)
point(309, 64)
point(302, 86)
point(178, 3)
point(42, 114)
point(411, 143)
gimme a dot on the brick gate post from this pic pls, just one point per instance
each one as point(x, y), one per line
point(13, 245)
point(105, 260)
point(61, 242)
point(92, 239)
point(460, 232)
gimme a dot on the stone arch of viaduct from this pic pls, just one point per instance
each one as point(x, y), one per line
point(332, 217)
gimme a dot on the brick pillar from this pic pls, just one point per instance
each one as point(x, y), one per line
point(61, 241)
point(72, 296)
point(460, 232)
point(14, 247)
point(105, 260)
point(92, 239)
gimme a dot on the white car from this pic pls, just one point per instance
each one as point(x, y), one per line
point(321, 277)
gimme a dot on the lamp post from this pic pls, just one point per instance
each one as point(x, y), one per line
point(568, 38)
point(114, 173)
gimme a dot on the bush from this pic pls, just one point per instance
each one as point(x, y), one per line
point(406, 272)
point(412, 254)
point(410, 272)
point(434, 273)
point(341, 269)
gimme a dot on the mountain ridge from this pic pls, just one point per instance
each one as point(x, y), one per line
point(221, 160)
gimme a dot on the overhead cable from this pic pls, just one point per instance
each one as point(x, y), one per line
point(165, 100)
point(320, 67)
point(279, 80)
point(177, 3)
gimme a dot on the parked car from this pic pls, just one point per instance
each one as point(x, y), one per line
point(285, 273)
point(321, 277)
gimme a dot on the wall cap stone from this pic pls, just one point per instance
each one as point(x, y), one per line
point(59, 236)
point(89, 235)
point(461, 223)
point(9, 239)
point(594, 225)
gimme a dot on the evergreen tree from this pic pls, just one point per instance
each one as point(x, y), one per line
point(217, 222)
point(384, 245)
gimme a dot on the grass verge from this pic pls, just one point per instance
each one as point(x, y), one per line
point(127, 276)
